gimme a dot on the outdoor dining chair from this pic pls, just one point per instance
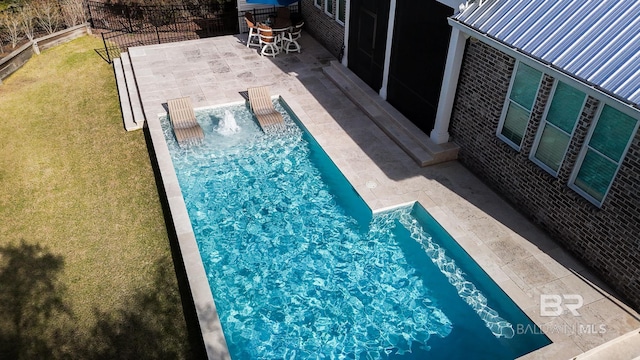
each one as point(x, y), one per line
point(253, 38)
point(268, 41)
point(289, 38)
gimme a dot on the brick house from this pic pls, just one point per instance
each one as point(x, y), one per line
point(541, 97)
point(571, 160)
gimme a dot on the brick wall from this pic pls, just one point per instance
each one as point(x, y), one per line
point(322, 27)
point(606, 238)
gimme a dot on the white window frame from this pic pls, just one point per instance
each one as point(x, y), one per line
point(328, 8)
point(583, 153)
point(319, 3)
point(338, 2)
point(507, 102)
point(541, 128)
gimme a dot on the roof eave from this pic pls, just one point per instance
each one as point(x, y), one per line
point(624, 105)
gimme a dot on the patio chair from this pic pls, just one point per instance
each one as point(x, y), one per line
point(262, 107)
point(290, 43)
point(184, 123)
point(252, 39)
point(268, 41)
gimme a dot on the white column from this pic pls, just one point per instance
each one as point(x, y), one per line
point(440, 132)
point(347, 15)
point(387, 52)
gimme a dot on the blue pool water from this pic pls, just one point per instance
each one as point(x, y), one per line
point(301, 269)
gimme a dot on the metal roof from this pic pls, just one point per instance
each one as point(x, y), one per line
point(595, 41)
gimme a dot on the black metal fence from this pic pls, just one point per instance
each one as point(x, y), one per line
point(261, 15)
point(125, 26)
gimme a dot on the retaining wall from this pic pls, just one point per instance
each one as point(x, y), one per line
point(20, 56)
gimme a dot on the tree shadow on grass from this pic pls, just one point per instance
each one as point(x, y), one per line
point(35, 322)
point(30, 296)
point(150, 325)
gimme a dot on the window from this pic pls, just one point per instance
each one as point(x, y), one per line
point(557, 127)
point(342, 11)
point(522, 95)
point(601, 157)
point(328, 7)
point(319, 3)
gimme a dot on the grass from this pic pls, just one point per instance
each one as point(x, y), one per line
point(85, 261)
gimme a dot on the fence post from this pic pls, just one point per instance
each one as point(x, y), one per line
point(129, 18)
point(106, 49)
point(90, 15)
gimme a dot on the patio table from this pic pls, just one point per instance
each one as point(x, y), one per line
point(279, 29)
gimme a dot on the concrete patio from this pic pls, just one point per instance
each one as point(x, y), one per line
point(519, 257)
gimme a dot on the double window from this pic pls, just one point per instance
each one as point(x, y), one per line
point(335, 9)
point(341, 16)
point(556, 129)
point(604, 148)
point(602, 156)
point(522, 94)
point(328, 8)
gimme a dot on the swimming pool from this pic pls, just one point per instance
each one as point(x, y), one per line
point(300, 268)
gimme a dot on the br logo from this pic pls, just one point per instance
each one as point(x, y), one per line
point(554, 305)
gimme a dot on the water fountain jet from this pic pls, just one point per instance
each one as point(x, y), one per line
point(228, 125)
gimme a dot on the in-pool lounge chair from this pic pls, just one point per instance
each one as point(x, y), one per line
point(183, 121)
point(262, 107)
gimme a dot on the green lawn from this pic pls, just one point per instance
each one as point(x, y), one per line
point(85, 262)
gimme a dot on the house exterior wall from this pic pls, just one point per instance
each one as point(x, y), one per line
point(606, 238)
point(324, 28)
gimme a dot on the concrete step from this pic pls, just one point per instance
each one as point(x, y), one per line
point(132, 89)
point(123, 95)
point(625, 347)
point(400, 129)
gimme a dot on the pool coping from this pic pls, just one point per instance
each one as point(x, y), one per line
point(567, 274)
point(202, 295)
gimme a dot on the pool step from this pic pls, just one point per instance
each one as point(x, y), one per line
point(400, 129)
point(130, 104)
